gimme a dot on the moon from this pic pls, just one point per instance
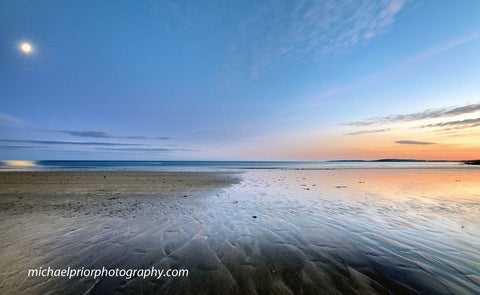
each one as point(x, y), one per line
point(26, 47)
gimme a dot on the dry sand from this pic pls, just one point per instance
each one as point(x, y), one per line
point(314, 232)
point(95, 219)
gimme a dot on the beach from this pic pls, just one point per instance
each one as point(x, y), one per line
point(247, 231)
point(240, 147)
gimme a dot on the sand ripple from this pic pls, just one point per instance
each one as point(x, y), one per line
point(350, 232)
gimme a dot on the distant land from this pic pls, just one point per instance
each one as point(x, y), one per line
point(468, 162)
point(396, 160)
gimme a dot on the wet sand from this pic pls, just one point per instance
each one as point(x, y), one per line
point(257, 232)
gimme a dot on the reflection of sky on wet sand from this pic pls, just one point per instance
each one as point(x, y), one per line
point(442, 193)
point(348, 231)
point(397, 227)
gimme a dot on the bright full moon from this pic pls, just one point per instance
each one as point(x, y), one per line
point(26, 47)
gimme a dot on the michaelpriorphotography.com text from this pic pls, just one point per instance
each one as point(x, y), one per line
point(107, 272)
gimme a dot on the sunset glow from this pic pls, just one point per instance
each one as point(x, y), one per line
point(188, 81)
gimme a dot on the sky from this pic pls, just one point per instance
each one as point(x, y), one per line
point(240, 80)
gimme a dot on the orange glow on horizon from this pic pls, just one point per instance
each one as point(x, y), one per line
point(382, 146)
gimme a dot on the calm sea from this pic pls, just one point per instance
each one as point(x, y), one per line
point(213, 165)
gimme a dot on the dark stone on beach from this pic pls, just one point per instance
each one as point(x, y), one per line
point(104, 176)
point(341, 186)
point(254, 216)
point(185, 196)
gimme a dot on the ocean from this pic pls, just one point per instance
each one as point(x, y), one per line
point(81, 165)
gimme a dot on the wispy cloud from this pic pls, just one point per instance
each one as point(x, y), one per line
point(423, 55)
point(16, 147)
point(414, 142)
point(146, 137)
point(13, 121)
point(427, 114)
point(42, 144)
point(441, 48)
point(367, 131)
point(458, 124)
point(101, 134)
point(10, 120)
point(146, 149)
point(262, 34)
point(316, 28)
point(88, 133)
point(59, 142)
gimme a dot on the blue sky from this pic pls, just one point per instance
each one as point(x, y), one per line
point(239, 80)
